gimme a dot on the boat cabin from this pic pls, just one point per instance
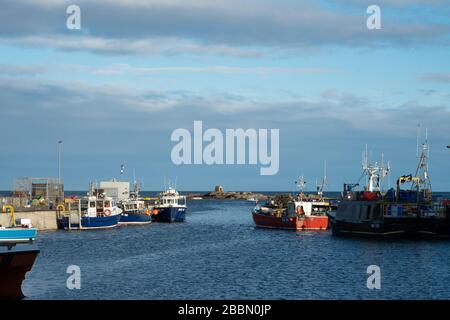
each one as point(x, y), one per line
point(308, 208)
point(171, 198)
point(133, 205)
point(95, 206)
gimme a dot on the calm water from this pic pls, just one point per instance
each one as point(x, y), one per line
point(218, 254)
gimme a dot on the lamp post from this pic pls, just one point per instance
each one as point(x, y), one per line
point(59, 161)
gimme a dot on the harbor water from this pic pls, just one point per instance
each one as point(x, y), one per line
point(219, 254)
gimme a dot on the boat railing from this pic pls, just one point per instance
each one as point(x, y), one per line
point(413, 210)
point(72, 213)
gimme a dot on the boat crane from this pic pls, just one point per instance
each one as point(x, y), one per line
point(324, 183)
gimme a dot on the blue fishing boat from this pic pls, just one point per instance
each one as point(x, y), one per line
point(96, 212)
point(135, 210)
point(171, 207)
point(17, 256)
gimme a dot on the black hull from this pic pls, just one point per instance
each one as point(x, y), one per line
point(414, 228)
point(14, 264)
point(380, 219)
point(368, 229)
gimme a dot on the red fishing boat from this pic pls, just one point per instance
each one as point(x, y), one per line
point(299, 215)
point(304, 213)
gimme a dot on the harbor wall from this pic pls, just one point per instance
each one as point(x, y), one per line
point(42, 220)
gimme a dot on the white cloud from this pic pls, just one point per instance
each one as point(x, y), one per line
point(120, 69)
point(235, 28)
point(127, 46)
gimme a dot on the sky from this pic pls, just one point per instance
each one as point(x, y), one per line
point(137, 70)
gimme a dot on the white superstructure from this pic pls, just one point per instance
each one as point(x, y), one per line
point(118, 190)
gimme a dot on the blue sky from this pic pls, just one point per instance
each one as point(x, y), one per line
point(116, 89)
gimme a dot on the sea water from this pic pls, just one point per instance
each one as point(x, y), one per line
point(219, 254)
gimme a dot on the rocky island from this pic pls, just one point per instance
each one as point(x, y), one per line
point(220, 194)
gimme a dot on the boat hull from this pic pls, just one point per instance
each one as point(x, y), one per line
point(14, 264)
point(89, 223)
point(297, 223)
point(404, 226)
point(134, 218)
point(170, 214)
point(371, 228)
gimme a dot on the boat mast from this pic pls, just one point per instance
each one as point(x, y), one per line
point(320, 187)
point(91, 189)
point(301, 184)
point(373, 172)
point(135, 185)
point(423, 154)
point(385, 172)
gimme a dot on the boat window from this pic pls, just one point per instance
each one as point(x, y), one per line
point(100, 204)
point(107, 204)
point(92, 204)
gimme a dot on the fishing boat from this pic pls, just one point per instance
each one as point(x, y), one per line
point(305, 212)
point(410, 212)
point(171, 207)
point(135, 210)
point(17, 256)
point(96, 211)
